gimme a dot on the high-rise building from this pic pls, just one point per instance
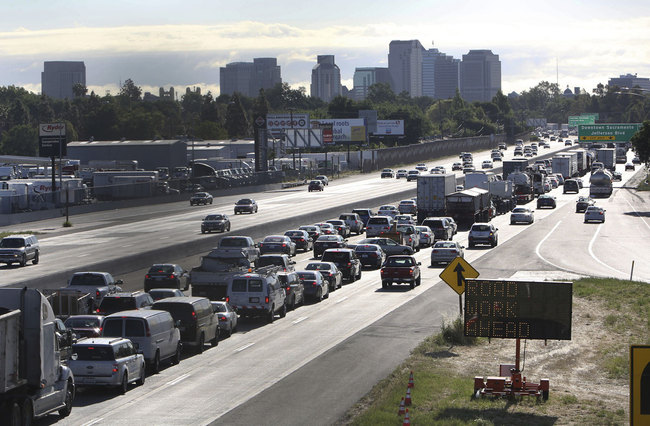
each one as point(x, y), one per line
point(58, 78)
point(480, 76)
point(366, 77)
point(447, 80)
point(247, 78)
point(429, 59)
point(405, 66)
point(630, 81)
point(325, 78)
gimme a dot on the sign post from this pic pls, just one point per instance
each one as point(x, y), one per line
point(52, 143)
point(456, 274)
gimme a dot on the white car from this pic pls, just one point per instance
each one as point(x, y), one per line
point(323, 179)
point(107, 361)
point(595, 214)
point(401, 173)
point(487, 164)
point(522, 215)
point(388, 210)
point(422, 167)
point(446, 251)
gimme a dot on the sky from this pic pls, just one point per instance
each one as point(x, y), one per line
point(183, 44)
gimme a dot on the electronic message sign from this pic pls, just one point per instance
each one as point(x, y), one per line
point(513, 309)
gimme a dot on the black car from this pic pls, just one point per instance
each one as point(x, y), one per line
point(583, 203)
point(315, 185)
point(346, 260)
point(325, 242)
point(312, 230)
point(370, 255)
point(341, 227)
point(546, 201)
point(166, 275)
point(246, 205)
point(200, 198)
point(301, 238)
point(215, 222)
point(389, 246)
point(329, 271)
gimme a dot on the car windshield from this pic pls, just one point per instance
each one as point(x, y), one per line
point(307, 275)
point(87, 280)
point(200, 194)
point(245, 201)
point(93, 352)
point(219, 307)
point(480, 228)
point(318, 267)
point(308, 228)
point(12, 243)
point(366, 248)
point(336, 222)
point(294, 234)
point(399, 261)
point(377, 221)
point(233, 242)
point(111, 305)
point(520, 210)
point(327, 238)
point(444, 244)
point(82, 322)
point(157, 294)
point(214, 217)
point(273, 240)
point(270, 260)
point(336, 256)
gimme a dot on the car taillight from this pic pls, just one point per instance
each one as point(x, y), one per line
point(147, 329)
point(97, 293)
point(434, 251)
point(411, 270)
point(288, 288)
point(115, 368)
point(381, 270)
point(222, 317)
point(284, 244)
point(193, 316)
point(266, 299)
point(349, 264)
point(172, 276)
point(301, 240)
point(227, 299)
point(373, 254)
point(146, 277)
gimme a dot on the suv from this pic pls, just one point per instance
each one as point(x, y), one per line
point(197, 320)
point(378, 224)
point(107, 361)
point(294, 289)
point(118, 302)
point(407, 207)
point(346, 260)
point(354, 221)
point(364, 214)
point(215, 222)
point(441, 227)
point(246, 205)
point(257, 294)
point(19, 249)
point(283, 261)
point(483, 233)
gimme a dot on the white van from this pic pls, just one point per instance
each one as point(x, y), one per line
point(152, 331)
point(378, 224)
point(258, 294)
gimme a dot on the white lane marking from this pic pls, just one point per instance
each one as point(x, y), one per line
point(539, 245)
point(638, 215)
point(178, 379)
point(163, 238)
point(342, 299)
point(244, 347)
point(591, 252)
point(93, 421)
point(299, 320)
point(127, 245)
point(83, 255)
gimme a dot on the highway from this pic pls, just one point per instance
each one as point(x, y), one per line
point(311, 366)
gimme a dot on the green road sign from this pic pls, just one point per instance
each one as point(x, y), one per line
point(607, 132)
point(575, 120)
point(594, 114)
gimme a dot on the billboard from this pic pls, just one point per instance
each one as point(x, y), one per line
point(276, 123)
point(51, 140)
point(341, 130)
point(621, 132)
point(390, 127)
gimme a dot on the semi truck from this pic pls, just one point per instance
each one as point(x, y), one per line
point(431, 193)
point(600, 183)
point(565, 164)
point(607, 156)
point(523, 190)
point(514, 165)
point(621, 155)
point(501, 191)
point(469, 206)
point(33, 380)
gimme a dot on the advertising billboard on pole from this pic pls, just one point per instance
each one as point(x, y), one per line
point(390, 127)
point(343, 130)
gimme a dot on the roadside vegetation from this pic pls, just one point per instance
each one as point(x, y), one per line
point(589, 375)
point(6, 234)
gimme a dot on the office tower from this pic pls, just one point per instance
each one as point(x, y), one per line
point(447, 80)
point(366, 77)
point(325, 79)
point(630, 81)
point(405, 66)
point(480, 76)
point(58, 78)
point(247, 78)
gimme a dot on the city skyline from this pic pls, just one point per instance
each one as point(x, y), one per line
point(159, 45)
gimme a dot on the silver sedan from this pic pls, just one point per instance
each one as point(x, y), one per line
point(522, 215)
point(227, 317)
point(446, 251)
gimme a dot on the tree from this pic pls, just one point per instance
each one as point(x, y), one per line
point(20, 140)
point(641, 143)
point(130, 91)
point(79, 90)
point(236, 120)
point(381, 93)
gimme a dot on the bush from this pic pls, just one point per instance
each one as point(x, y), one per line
point(453, 333)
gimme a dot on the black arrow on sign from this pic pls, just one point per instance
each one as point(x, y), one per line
point(459, 277)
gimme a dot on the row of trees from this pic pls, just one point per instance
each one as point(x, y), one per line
point(127, 115)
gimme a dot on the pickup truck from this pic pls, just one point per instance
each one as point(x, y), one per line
point(96, 284)
point(240, 244)
point(400, 269)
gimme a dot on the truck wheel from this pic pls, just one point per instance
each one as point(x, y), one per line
point(176, 359)
point(412, 285)
point(271, 315)
point(27, 411)
point(69, 396)
point(418, 281)
point(283, 312)
point(203, 231)
point(23, 260)
point(155, 365)
point(35, 260)
point(13, 414)
point(384, 284)
point(215, 340)
point(124, 386)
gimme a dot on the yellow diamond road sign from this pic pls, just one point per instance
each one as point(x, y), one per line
point(456, 273)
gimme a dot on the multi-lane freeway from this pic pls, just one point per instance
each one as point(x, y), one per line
point(311, 366)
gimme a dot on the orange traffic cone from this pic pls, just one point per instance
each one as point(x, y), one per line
point(407, 419)
point(401, 408)
point(407, 400)
point(411, 384)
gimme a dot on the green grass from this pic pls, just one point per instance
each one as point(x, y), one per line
point(6, 234)
point(645, 184)
point(442, 395)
